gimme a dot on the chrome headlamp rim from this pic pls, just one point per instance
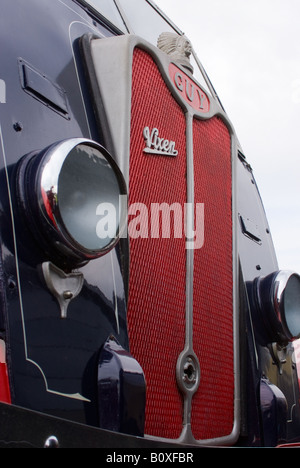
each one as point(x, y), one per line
point(281, 284)
point(272, 294)
point(36, 173)
point(56, 158)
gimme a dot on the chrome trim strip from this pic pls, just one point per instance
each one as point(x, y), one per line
point(124, 17)
point(165, 17)
point(188, 355)
point(190, 223)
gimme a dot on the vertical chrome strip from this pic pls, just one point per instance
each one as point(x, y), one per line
point(190, 224)
point(188, 356)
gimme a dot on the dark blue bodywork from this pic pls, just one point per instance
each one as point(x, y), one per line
point(49, 358)
point(53, 365)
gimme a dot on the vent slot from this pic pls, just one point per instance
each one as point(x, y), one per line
point(42, 88)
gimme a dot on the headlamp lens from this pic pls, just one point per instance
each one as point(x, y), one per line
point(87, 185)
point(291, 305)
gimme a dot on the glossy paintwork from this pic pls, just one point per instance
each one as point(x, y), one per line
point(122, 389)
point(258, 258)
point(52, 361)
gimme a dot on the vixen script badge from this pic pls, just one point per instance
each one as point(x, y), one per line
point(157, 145)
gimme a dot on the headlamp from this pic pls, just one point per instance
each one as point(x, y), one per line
point(71, 194)
point(278, 298)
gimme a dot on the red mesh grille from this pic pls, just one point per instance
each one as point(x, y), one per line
point(156, 307)
point(213, 405)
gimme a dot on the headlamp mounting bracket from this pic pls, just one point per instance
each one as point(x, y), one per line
point(64, 287)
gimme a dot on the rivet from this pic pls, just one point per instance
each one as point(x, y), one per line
point(68, 295)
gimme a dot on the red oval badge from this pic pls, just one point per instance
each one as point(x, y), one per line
point(189, 90)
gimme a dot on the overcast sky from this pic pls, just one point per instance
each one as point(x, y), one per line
point(251, 52)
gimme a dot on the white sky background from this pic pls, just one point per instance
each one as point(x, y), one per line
point(251, 52)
